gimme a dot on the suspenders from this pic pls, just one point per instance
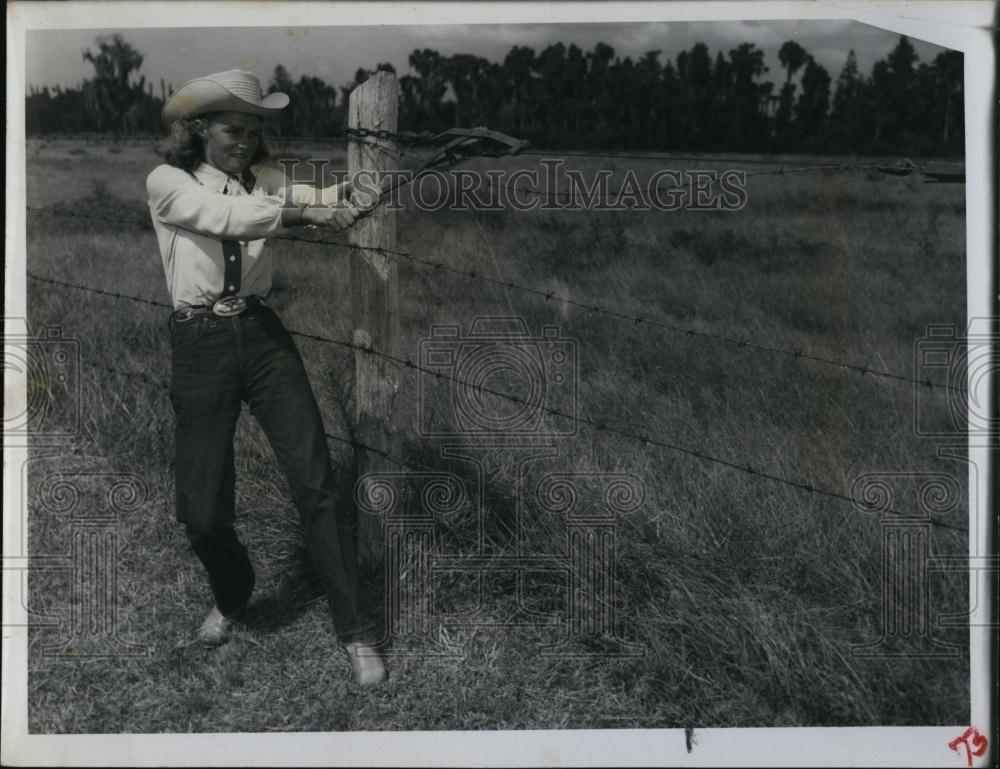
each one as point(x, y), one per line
point(231, 251)
point(233, 255)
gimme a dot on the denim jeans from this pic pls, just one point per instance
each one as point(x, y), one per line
point(218, 363)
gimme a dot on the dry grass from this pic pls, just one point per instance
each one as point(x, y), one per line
point(747, 595)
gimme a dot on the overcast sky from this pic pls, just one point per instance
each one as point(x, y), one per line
point(334, 53)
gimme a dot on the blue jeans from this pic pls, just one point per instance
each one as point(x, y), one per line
point(217, 364)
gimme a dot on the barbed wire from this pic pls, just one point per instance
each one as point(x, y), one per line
point(687, 331)
point(332, 139)
point(617, 194)
point(141, 375)
point(683, 158)
point(501, 489)
point(90, 289)
point(145, 224)
point(429, 138)
point(347, 440)
point(549, 295)
point(157, 138)
point(165, 388)
point(410, 138)
point(95, 138)
point(350, 440)
point(782, 171)
point(600, 426)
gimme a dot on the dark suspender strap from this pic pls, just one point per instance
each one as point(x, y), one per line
point(233, 256)
point(231, 251)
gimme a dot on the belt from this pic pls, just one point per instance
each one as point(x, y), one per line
point(226, 307)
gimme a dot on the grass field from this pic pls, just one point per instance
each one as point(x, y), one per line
point(747, 595)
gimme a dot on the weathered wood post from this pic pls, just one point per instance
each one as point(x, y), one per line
point(374, 300)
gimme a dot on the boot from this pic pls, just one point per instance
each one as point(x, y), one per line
point(367, 664)
point(216, 630)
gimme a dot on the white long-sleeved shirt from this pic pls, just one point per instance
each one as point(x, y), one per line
point(192, 215)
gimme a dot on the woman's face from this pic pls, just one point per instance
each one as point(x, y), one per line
point(231, 139)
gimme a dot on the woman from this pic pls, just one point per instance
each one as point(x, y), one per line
point(212, 214)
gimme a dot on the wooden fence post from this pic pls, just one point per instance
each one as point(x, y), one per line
point(374, 300)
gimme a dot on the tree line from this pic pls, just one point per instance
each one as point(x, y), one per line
point(566, 98)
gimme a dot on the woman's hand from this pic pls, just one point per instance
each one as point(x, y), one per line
point(337, 217)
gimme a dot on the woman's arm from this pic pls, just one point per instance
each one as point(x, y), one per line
point(177, 198)
point(305, 194)
point(271, 178)
point(339, 217)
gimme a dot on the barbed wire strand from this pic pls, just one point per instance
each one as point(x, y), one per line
point(348, 440)
point(145, 224)
point(164, 388)
point(502, 489)
point(636, 320)
point(687, 331)
point(427, 138)
point(598, 425)
point(617, 194)
point(693, 158)
point(141, 375)
point(157, 138)
point(410, 138)
point(100, 291)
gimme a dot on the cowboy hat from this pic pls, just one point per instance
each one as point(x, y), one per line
point(234, 90)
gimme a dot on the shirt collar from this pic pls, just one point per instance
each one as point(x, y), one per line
point(212, 177)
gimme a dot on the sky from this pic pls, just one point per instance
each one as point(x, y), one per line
point(54, 57)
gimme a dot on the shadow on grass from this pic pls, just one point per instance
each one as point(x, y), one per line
point(271, 613)
point(455, 534)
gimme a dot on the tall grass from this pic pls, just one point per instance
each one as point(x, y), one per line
point(746, 595)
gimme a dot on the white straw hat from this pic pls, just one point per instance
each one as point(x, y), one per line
point(234, 90)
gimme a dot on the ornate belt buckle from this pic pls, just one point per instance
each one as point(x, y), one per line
point(229, 306)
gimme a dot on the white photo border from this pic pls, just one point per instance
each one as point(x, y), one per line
point(963, 26)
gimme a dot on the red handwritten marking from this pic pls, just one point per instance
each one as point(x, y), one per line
point(978, 746)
